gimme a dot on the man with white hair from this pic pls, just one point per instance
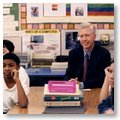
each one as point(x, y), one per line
point(87, 62)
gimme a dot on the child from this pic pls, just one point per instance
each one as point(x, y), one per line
point(8, 47)
point(14, 89)
point(106, 105)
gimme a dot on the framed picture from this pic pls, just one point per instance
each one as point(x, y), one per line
point(78, 9)
point(69, 40)
point(34, 11)
point(54, 9)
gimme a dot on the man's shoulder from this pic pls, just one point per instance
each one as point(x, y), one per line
point(101, 49)
point(76, 49)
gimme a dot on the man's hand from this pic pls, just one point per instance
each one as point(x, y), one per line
point(75, 79)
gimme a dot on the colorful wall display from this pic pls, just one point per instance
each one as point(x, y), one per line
point(100, 9)
point(36, 17)
point(30, 21)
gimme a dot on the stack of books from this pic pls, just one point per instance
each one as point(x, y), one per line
point(66, 96)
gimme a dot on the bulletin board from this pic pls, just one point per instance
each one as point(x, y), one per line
point(51, 40)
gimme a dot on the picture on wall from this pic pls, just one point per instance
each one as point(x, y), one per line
point(69, 41)
point(71, 38)
point(34, 12)
point(54, 6)
point(78, 9)
point(58, 9)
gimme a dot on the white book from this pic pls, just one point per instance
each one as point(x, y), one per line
point(66, 103)
point(58, 70)
point(59, 65)
point(78, 92)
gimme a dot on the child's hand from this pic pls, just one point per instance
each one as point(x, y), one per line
point(107, 71)
point(110, 76)
point(15, 74)
point(109, 111)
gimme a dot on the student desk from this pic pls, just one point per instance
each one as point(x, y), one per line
point(36, 104)
point(41, 76)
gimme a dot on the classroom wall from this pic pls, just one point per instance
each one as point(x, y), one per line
point(21, 21)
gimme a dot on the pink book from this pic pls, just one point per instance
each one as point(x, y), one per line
point(62, 86)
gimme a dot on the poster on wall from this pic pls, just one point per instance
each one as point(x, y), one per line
point(100, 9)
point(34, 12)
point(45, 40)
point(55, 9)
point(78, 9)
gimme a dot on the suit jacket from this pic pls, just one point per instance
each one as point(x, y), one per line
point(99, 60)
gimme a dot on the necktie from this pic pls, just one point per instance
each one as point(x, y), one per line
point(86, 58)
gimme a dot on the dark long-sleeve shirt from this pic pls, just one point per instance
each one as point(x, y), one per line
point(105, 105)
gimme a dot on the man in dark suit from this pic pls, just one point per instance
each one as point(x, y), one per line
point(89, 74)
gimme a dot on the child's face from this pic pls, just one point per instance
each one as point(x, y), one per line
point(8, 66)
point(111, 74)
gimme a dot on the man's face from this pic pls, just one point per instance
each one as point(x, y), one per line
point(87, 38)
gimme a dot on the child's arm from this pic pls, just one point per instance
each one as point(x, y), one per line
point(105, 88)
point(22, 98)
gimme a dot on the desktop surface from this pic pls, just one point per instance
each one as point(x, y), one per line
point(36, 103)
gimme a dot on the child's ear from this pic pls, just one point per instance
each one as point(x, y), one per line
point(18, 67)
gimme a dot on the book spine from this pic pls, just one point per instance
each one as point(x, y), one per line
point(67, 103)
point(63, 98)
